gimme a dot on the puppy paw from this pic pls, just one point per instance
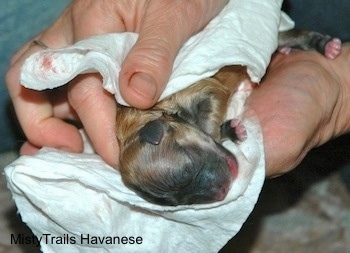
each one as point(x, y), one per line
point(234, 130)
point(239, 129)
point(333, 48)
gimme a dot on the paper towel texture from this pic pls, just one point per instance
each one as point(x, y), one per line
point(74, 196)
point(78, 196)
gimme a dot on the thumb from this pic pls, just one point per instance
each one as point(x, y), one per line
point(147, 67)
point(164, 27)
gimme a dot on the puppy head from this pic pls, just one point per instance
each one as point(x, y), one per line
point(171, 162)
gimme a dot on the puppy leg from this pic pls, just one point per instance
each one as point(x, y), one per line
point(309, 40)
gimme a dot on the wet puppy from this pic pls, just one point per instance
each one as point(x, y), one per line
point(171, 154)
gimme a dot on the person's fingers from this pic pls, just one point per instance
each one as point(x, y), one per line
point(97, 111)
point(163, 29)
point(35, 113)
point(95, 108)
point(33, 109)
point(39, 114)
point(89, 17)
point(28, 149)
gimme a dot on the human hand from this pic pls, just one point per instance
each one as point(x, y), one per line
point(302, 103)
point(163, 27)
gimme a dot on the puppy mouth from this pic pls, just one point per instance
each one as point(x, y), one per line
point(225, 188)
point(222, 192)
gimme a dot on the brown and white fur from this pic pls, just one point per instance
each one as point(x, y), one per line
point(171, 154)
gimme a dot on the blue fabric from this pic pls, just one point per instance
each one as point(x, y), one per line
point(20, 20)
point(331, 17)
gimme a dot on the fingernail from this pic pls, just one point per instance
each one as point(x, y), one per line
point(144, 85)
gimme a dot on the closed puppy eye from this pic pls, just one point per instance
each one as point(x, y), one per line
point(152, 132)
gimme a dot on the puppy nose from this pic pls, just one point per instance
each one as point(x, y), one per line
point(152, 132)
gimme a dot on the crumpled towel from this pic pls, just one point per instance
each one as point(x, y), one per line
point(77, 203)
point(77, 196)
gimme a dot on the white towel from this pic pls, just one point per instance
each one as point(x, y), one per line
point(77, 203)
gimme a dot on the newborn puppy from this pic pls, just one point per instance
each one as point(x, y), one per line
point(171, 154)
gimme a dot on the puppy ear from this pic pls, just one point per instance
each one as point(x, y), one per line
point(203, 104)
point(198, 111)
point(152, 132)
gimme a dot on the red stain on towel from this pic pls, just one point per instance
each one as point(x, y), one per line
point(47, 63)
